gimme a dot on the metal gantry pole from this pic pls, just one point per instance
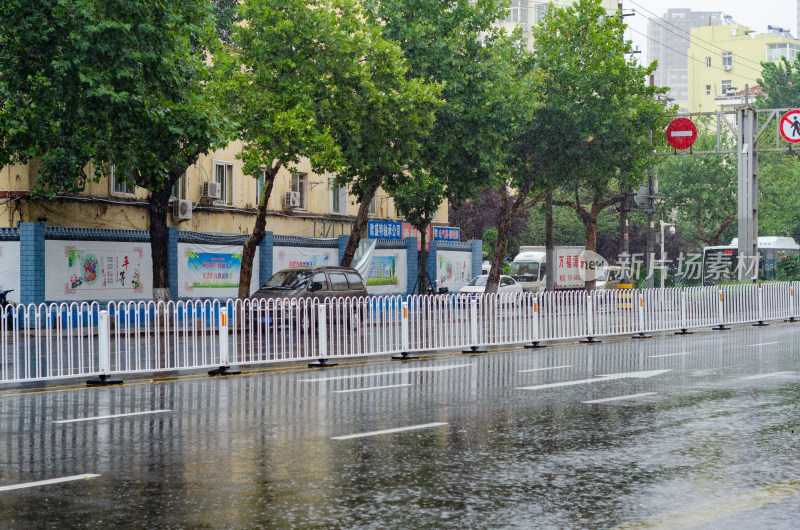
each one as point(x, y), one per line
point(748, 194)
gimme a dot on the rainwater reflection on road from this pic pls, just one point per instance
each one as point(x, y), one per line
point(683, 431)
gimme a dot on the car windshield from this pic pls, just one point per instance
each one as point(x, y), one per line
point(601, 275)
point(478, 281)
point(288, 280)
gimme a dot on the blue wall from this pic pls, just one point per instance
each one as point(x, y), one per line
point(32, 237)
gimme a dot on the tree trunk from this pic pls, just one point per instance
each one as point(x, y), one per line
point(423, 258)
point(590, 223)
point(157, 207)
point(257, 236)
point(508, 209)
point(360, 224)
point(550, 258)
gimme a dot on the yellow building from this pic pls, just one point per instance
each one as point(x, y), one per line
point(724, 59)
point(214, 196)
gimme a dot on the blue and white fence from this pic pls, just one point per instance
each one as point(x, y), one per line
point(58, 341)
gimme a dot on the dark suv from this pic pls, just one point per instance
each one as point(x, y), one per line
point(313, 282)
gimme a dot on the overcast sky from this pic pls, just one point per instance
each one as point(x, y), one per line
point(758, 14)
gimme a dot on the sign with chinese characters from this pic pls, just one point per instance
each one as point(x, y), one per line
point(446, 233)
point(570, 267)
point(211, 271)
point(410, 231)
point(98, 270)
point(383, 229)
point(290, 257)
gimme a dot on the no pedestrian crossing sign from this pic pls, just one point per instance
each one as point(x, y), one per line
point(681, 133)
point(790, 126)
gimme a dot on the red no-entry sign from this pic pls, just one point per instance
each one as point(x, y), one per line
point(681, 133)
point(790, 126)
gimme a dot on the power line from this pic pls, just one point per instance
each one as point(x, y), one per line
point(676, 51)
point(688, 33)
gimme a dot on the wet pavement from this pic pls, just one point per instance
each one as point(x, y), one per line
point(669, 432)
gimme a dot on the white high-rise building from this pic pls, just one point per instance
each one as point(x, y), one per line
point(668, 42)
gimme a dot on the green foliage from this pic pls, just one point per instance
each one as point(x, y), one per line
point(489, 240)
point(121, 82)
point(780, 83)
point(789, 268)
point(702, 189)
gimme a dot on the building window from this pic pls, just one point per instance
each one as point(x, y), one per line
point(179, 188)
point(708, 62)
point(725, 85)
point(300, 184)
point(373, 206)
point(776, 51)
point(540, 10)
point(727, 60)
point(119, 186)
point(262, 176)
point(519, 12)
point(708, 90)
point(223, 175)
point(338, 197)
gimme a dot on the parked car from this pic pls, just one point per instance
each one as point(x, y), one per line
point(289, 286)
point(313, 282)
point(478, 285)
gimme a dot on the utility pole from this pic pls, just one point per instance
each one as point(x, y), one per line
point(651, 239)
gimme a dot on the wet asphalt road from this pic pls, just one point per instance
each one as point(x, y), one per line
point(671, 432)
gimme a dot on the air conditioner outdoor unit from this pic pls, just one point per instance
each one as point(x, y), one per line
point(212, 190)
point(181, 209)
point(291, 199)
point(726, 67)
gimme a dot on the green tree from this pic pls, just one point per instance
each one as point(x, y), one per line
point(701, 190)
point(780, 83)
point(379, 118)
point(124, 85)
point(281, 75)
point(587, 75)
point(451, 43)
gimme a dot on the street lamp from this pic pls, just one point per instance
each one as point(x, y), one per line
point(663, 262)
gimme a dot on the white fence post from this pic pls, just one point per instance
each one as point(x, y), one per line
point(642, 334)
point(589, 321)
point(684, 316)
point(473, 327)
point(760, 296)
point(534, 343)
point(224, 351)
point(405, 355)
point(322, 338)
point(104, 352)
point(721, 326)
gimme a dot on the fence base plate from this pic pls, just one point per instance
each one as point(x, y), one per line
point(224, 370)
point(590, 340)
point(405, 356)
point(474, 349)
point(322, 363)
point(534, 345)
point(791, 319)
point(760, 324)
point(720, 328)
point(641, 336)
point(103, 380)
point(684, 332)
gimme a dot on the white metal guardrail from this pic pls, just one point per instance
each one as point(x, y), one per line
point(57, 341)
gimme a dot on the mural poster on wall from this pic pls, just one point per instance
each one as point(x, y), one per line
point(97, 270)
point(387, 272)
point(212, 271)
point(453, 269)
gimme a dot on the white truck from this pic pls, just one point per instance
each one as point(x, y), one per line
point(529, 268)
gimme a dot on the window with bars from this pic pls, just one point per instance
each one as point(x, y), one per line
point(300, 185)
point(223, 175)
